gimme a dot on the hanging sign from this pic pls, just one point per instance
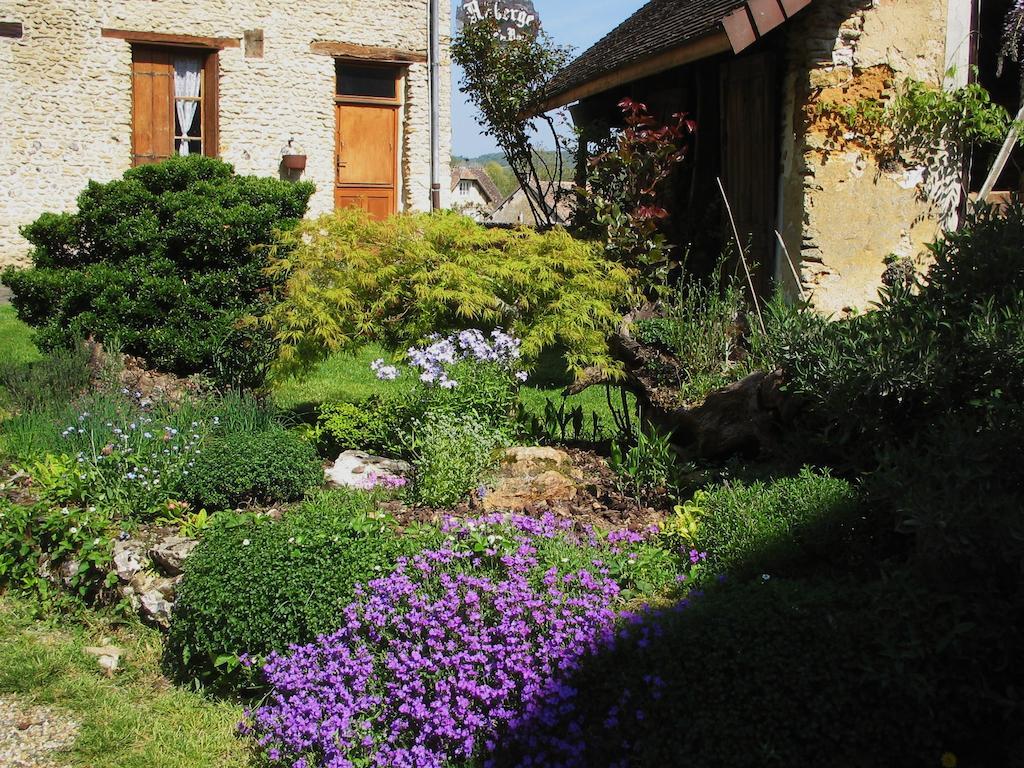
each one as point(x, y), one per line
point(516, 18)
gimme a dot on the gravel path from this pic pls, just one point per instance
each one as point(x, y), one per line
point(30, 735)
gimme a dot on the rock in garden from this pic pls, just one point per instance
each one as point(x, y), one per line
point(358, 469)
point(68, 570)
point(152, 596)
point(170, 554)
point(531, 476)
point(108, 656)
point(127, 559)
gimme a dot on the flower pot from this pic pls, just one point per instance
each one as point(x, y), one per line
point(294, 162)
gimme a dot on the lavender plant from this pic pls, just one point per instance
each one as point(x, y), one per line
point(453, 455)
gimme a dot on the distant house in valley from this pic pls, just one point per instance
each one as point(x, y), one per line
point(336, 92)
point(474, 192)
point(759, 77)
point(515, 209)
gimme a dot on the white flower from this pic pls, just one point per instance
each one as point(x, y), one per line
point(72, 529)
point(245, 542)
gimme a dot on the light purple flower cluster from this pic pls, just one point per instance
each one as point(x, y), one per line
point(434, 663)
point(373, 481)
point(433, 360)
point(383, 371)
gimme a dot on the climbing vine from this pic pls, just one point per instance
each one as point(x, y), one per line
point(918, 123)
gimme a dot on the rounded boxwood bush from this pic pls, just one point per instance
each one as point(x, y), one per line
point(254, 585)
point(267, 466)
point(167, 260)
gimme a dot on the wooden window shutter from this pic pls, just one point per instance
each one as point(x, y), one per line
point(211, 105)
point(152, 104)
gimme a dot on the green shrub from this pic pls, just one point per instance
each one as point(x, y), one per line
point(254, 585)
point(164, 259)
point(954, 343)
point(376, 424)
point(268, 466)
point(788, 525)
point(57, 550)
point(956, 488)
point(453, 456)
point(349, 279)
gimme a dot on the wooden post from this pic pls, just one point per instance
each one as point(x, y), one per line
point(1001, 158)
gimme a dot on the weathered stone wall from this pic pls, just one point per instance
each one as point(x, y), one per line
point(66, 94)
point(843, 211)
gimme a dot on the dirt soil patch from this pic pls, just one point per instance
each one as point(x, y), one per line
point(598, 502)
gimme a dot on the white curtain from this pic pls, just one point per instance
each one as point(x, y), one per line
point(187, 76)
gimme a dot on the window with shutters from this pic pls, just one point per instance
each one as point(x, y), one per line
point(174, 106)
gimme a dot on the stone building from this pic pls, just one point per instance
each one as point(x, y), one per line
point(516, 209)
point(761, 77)
point(474, 192)
point(336, 92)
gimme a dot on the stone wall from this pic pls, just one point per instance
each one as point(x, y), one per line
point(66, 94)
point(843, 211)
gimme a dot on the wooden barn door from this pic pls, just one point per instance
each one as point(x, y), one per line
point(367, 158)
point(750, 118)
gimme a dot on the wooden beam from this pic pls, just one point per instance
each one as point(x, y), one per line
point(767, 15)
point(366, 52)
point(694, 50)
point(11, 29)
point(740, 29)
point(160, 38)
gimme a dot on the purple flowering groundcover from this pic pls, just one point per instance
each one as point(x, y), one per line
point(435, 662)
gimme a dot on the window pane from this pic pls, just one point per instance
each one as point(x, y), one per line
point(374, 82)
point(185, 108)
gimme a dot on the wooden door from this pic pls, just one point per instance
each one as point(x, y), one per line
point(366, 158)
point(750, 118)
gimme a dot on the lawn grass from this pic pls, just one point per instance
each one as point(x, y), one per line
point(136, 719)
point(346, 377)
point(16, 347)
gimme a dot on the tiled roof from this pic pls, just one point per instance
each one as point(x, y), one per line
point(478, 174)
point(659, 26)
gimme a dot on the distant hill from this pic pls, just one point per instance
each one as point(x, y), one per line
point(498, 169)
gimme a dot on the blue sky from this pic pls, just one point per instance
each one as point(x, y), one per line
point(578, 23)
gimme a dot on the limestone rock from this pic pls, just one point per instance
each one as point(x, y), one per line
point(358, 469)
point(68, 570)
point(152, 596)
point(170, 553)
point(531, 476)
point(127, 560)
point(108, 656)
